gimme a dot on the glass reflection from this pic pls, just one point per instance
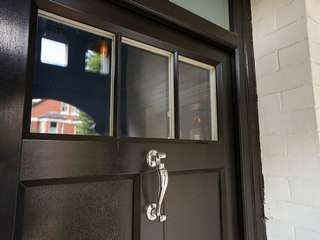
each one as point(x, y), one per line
point(71, 89)
point(145, 91)
point(55, 117)
point(197, 100)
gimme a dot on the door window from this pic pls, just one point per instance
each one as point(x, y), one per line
point(146, 91)
point(73, 86)
point(73, 68)
point(197, 100)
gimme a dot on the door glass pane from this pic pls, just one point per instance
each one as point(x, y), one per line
point(146, 91)
point(72, 81)
point(197, 100)
point(215, 11)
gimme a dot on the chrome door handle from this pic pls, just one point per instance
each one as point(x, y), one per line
point(153, 210)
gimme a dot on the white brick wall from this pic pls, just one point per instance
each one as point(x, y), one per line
point(287, 55)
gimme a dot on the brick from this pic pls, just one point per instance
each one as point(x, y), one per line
point(303, 154)
point(299, 98)
point(304, 145)
point(277, 166)
point(277, 188)
point(301, 194)
point(290, 13)
point(264, 8)
point(282, 38)
point(302, 121)
point(264, 26)
point(318, 121)
point(315, 73)
point(277, 230)
point(270, 104)
point(313, 9)
point(273, 146)
point(295, 54)
point(313, 29)
point(306, 234)
point(315, 52)
point(267, 64)
point(298, 215)
point(287, 78)
point(316, 93)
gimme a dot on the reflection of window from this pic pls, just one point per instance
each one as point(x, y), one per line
point(64, 108)
point(52, 127)
point(74, 111)
point(43, 127)
point(97, 58)
point(53, 52)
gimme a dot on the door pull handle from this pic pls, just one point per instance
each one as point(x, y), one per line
point(153, 210)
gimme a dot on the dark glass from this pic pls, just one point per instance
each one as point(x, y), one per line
point(71, 88)
point(197, 108)
point(145, 107)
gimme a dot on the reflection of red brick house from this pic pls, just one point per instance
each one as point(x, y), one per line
point(51, 116)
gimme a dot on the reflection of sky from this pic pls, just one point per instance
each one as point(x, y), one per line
point(36, 100)
point(53, 52)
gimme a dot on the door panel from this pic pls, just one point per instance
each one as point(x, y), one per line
point(194, 207)
point(94, 210)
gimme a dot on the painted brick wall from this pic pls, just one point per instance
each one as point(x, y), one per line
point(287, 56)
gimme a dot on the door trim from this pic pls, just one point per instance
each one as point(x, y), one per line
point(14, 57)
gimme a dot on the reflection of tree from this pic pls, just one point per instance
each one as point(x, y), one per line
point(93, 61)
point(86, 125)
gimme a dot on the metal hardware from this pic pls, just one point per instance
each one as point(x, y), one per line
point(153, 210)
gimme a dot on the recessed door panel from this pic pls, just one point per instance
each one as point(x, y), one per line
point(193, 207)
point(91, 211)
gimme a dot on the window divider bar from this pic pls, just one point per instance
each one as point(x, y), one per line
point(171, 96)
point(176, 95)
point(213, 103)
point(117, 88)
point(112, 100)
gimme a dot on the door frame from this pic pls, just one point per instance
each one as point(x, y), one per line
point(14, 55)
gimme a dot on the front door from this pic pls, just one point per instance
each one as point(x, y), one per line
point(128, 130)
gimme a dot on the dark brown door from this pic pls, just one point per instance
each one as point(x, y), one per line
point(106, 86)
